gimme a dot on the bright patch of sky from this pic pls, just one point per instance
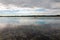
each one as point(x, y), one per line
point(14, 10)
point(25, 7)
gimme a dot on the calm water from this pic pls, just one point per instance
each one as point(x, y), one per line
point(29, 20)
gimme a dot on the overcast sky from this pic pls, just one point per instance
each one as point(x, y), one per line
point(27, 3)
point(17, 4)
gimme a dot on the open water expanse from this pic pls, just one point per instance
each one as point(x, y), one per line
point(29, 28)
point(30, 20)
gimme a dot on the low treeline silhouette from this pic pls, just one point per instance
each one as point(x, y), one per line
point(32, 16)
point(30, 32)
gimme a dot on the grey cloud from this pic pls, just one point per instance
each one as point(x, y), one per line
point(20, 2)
point(56, 0)
point(29, 3)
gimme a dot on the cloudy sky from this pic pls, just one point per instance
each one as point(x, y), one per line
point(17, 4)
point(28, 3)
point(23, 3)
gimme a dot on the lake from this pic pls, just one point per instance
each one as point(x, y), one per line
point(29, 20)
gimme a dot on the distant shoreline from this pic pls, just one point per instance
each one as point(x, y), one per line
point(33, 16)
